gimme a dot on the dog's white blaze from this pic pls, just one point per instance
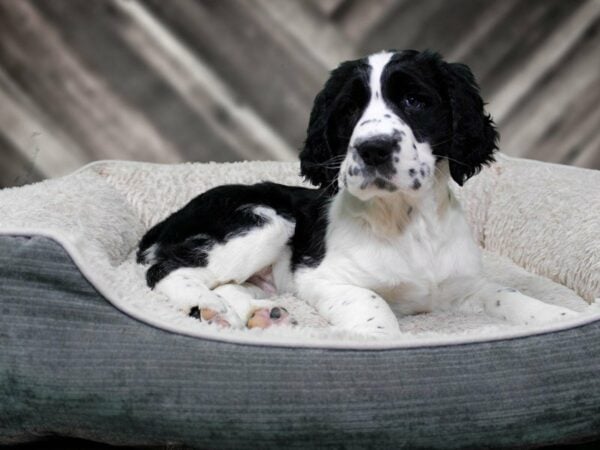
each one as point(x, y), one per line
point(377, 62)
point(377, 118)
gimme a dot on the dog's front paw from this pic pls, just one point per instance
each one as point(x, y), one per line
point(224, 319)
point(267, 317)
point(520, 309)
point(549, 314)
point(211, 309)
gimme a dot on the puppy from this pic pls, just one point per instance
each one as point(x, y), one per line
point(381, 235)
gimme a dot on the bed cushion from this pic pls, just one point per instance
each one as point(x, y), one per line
point(99, 214)
point(88, 351)
point(74, 365)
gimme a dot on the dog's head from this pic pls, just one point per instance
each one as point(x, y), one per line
point(381, 124)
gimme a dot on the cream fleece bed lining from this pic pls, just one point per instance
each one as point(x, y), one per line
point(99, 213)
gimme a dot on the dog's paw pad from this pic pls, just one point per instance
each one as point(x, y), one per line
point(195, 312)
point(266, 317)
point(210, 316)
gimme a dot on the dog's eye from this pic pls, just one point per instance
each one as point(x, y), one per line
point(413, 102)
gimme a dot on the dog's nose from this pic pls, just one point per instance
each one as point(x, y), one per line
point(376, 151)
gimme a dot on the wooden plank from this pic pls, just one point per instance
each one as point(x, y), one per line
point(35, 136)
point(576, 141)
point(399, 26)
point(326, 7)
point(33, 141)
point(436, 24)
point(197, 84)
point(358, 18)
point(515, 36)
point(15, 169)
point(590, 154)
point(545, 59)
point(577, 125)
point(250, 52)
point(94, 32)
point(574, 78)
point(37, 58)
point(490, 16)
point(316, 34)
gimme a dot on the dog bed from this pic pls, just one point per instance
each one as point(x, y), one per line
point(88, 351)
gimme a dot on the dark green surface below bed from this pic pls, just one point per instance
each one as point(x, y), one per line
point(73, 365)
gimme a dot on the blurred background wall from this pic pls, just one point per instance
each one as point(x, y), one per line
point(224, 80)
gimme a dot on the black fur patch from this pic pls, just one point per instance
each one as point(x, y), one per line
point(185, 238)
point(195, 313)
point(448, 112)
point(335, 113)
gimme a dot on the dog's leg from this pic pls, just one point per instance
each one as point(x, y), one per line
point(195, 289)
point(352, 308)
point(509, 304)
point(187, 289)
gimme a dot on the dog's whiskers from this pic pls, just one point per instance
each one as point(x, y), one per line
point(437, 144)
point(451, 159)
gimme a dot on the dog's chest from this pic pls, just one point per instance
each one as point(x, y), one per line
point(416, 253)
point(405, 266)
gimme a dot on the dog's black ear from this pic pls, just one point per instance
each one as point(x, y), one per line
point(317, 151)
point(474, 136)
point(335, 112)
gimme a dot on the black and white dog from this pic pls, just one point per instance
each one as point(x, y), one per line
point(383, 232)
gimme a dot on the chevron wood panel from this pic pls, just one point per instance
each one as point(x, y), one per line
point(224, 80)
